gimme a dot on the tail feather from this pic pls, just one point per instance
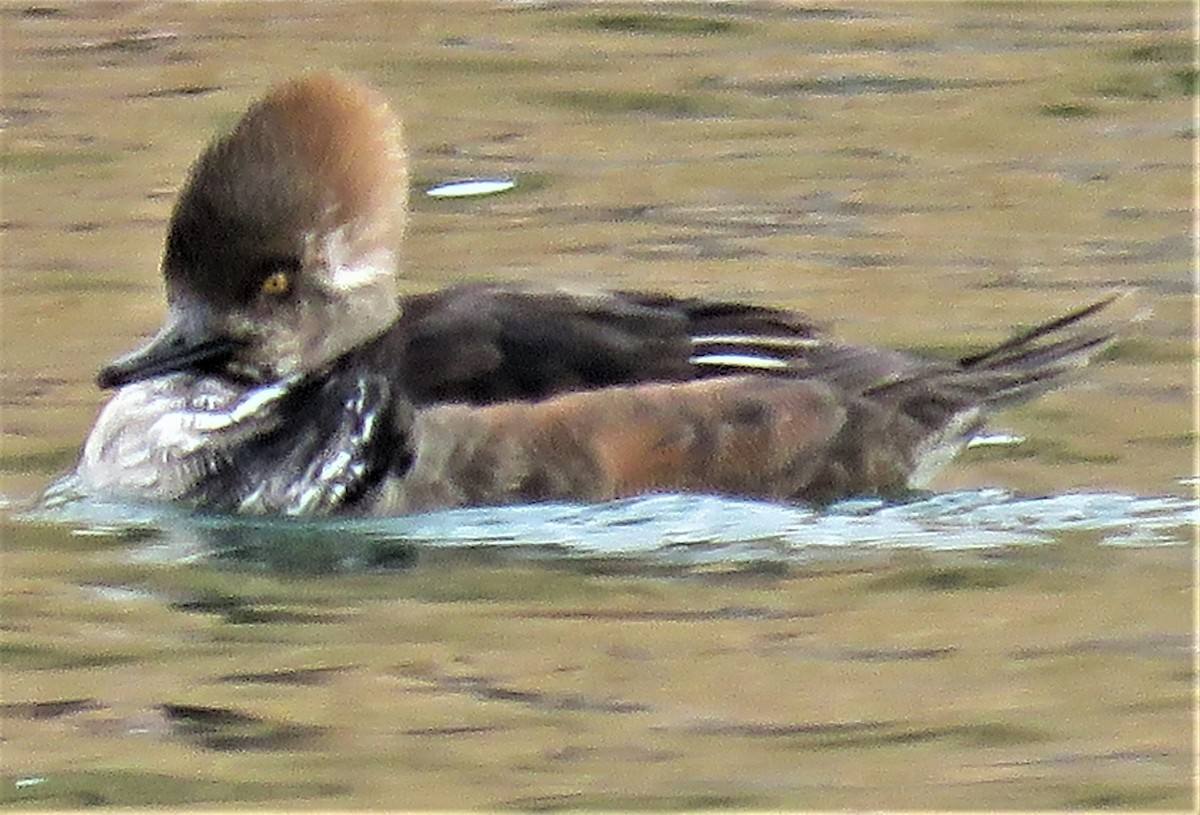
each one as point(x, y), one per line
point(1022, 342)
point(1019, 368)
point(950, 404)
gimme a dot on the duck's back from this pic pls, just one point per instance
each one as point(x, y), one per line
point(485, 343)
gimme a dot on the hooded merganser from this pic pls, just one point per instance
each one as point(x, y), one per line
point(290, 377)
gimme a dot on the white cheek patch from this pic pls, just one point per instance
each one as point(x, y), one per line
point(350, 267)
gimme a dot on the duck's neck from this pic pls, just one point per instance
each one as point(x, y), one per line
point(337, 436)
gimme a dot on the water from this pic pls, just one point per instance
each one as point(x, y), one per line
point(906, 172)
point(657, 530)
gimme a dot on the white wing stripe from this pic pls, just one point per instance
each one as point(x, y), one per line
point(741, 361)
point(756, 340)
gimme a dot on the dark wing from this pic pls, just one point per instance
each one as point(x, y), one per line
point(482, 343)
point(1012, 372)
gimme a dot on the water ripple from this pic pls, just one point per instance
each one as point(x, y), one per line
point(665, 529)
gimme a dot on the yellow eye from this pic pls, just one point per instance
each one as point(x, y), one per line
point(276, 284)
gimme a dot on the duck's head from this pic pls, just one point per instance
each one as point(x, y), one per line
point(283, 246)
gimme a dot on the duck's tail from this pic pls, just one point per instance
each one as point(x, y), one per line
point(1026, 365)
point(940, 408)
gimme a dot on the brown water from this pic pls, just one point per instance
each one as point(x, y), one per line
point(925, 176)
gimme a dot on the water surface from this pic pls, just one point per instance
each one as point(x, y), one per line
point(923, 176)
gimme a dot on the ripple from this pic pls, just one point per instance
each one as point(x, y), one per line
point(677, 530)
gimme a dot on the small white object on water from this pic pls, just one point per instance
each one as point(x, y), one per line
point(471, 187)
point(995, 440)
point(28, 782)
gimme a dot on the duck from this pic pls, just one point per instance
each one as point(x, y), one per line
point(291, 377)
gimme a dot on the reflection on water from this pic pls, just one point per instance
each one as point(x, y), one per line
point(673, 530)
